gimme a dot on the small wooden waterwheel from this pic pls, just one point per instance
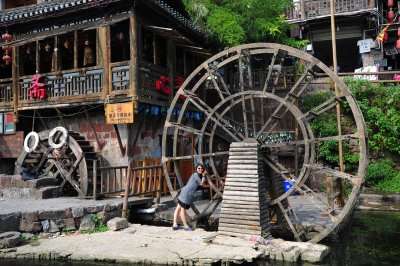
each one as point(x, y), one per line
point(71, 164)
point(259, 91)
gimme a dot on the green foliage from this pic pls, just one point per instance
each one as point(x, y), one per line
point(380, 106)
point(390, 184)
point(378, 171)
point(233, 22)
point(381, 109)
point(98, 226)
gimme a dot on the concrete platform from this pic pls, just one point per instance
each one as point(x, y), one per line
point(152, 245)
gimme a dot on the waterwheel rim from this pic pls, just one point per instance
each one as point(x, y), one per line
point(73, 162)
point(243, 58)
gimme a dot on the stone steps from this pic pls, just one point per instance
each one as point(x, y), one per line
point(13, 187)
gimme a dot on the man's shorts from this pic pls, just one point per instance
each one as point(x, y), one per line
point(184, 205)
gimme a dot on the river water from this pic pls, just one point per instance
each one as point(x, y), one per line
point(373, 238)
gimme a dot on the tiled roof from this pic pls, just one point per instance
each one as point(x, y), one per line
point(52, 8)
point(60, 7)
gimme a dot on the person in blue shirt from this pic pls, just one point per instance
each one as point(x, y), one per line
point(185, 198)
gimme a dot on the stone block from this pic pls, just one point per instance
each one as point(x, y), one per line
point(55, 226)
point(106, 216)
point(291, 254)
point(68, 224)
point(5, 181)
point(9, 239)
point(30, 226)
point(31, 216)
point(117, 223)
point(45, 226)
point(78, 212)
point(68, 213)
point(51, 214)
point(48, 192)
point(87, 222)
point(46, 181)
point(10, 221)
point(94, 209)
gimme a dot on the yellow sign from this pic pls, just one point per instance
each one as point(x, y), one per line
point(120, 113)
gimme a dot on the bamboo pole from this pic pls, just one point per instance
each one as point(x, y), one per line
point(338, 112)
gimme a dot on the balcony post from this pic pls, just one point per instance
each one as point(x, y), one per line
point(104, 42)
point(171, 58)
point(15, 77)
point(302, 9)
point(133, 63)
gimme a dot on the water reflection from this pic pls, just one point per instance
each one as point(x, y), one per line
point(372, 239)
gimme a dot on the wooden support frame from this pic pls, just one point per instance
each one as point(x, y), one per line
point(121, 147)
point(15, 77)
point(104, 55)
point(133, 63)
point(93, 131)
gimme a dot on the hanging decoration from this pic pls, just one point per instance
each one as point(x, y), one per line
point(6, 48)
point(38, 87)
point(155, 110)
point(383, 35)
point(163, 85)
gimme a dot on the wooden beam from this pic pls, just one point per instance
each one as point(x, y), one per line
point(104, 43)
point(15, 77)
point(54, 59)
point(37, 58)
point(75, 49)
point(121, 147)
point(133, 63)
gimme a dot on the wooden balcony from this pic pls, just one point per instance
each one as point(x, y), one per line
point(78, 86)
point(310, 9)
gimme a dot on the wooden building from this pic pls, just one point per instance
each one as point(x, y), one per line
point(70, 62)
point(357, 24)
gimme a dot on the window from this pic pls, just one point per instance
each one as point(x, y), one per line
point(120, 42)
point(7, 125)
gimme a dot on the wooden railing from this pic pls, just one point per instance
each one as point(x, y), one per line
point(146, 180)
point(314, 8)
point(148, 75)
point(64, 84)
point(6, 95)
point(119, 76)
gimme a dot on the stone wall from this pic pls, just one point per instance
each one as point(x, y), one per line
point(53, 221)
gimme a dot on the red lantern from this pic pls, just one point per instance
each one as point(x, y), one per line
point(6, 48)
point(385, 36)
point(398, 44)
point(390, 3)
point(398, 32)
point(7, 59)
point(390, 14)
point(6, 37)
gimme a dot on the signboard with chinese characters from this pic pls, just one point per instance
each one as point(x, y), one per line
point(120, 113)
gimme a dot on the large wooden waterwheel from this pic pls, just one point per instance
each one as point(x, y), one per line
point(71, 164)
point(258, 91)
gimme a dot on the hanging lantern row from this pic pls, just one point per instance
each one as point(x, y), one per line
point(6, 48)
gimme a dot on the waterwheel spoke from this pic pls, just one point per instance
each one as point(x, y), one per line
point(215, 117)
point(322, 108)
point(286, 175)
point(335, 173)
point(242, 89)
point(177, 158)
point(271, 66)
point(291, 97)
point(213, 73)
point(186, 128)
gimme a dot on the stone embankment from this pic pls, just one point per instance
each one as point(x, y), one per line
point(374, 202)
point(163, 246)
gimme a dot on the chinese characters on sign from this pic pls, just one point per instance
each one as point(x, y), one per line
point(38, 87)
point(120, 113)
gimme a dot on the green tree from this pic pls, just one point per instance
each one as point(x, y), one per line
point(233, 22)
